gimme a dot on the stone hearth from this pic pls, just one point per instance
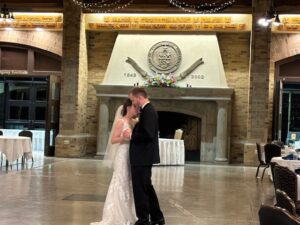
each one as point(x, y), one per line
point(212, 105)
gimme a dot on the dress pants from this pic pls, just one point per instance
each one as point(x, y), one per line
point(145, 199)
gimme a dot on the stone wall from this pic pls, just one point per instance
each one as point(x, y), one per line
point(235, 51)
point(100, 45)
point(50, 41)
point(72, 138)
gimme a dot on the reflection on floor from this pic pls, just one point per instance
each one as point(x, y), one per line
point(38, 157)
point(72, 191)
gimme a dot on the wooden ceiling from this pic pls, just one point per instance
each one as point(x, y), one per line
point(160, 6)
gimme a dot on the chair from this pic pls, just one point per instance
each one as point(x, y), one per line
point(260, 159)
point(178, 134)
point(272, 165)
point(271, 150)
point(286, 180)
point(272, 215)
point(26, 133)
point(284, 201)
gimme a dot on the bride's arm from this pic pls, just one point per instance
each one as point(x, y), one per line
point(117, 136)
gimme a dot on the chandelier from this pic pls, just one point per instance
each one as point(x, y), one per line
point(202, 8)
point(6, 14)
point(103, 6)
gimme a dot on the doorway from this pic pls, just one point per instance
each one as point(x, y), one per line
point(286, 104)
point(28, 103)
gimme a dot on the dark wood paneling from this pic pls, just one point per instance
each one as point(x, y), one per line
point(13, 58)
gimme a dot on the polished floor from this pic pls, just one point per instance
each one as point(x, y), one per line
point(72, 192)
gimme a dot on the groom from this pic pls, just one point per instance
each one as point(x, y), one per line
point(144, 152)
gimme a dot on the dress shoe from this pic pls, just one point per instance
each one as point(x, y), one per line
point(158, 222)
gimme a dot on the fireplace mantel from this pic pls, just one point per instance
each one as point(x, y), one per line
point(212, 105)
point(203, 94)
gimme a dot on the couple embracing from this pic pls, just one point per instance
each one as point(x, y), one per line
point(131, 198)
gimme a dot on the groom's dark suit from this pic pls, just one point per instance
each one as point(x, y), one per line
point(144, 152)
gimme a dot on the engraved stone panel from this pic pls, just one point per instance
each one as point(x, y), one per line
point(164, 57)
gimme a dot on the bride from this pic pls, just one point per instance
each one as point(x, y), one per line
point(119, 206)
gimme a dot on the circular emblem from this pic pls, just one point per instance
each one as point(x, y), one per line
point(164, 57)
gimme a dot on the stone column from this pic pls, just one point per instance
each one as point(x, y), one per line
point(222, 121)
point(103, 123)
point(257, 121)
point(72, 138)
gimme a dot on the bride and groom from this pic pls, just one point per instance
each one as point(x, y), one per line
point(131, 198)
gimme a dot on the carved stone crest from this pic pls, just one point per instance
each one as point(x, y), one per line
point(164, 57)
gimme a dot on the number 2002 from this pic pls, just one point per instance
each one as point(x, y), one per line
point(197, 77)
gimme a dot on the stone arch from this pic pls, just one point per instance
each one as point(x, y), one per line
point(50, 41)
point(283, 46)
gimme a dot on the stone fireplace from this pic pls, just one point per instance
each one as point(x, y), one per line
point(211, 105)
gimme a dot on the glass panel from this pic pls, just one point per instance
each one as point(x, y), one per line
point(295, 112)
point(41, 93)
point(16, 126)
point(40, 113)
point(19, 113)
point(18, 91)
point(54, 114)
point(285, 116)
point(55, 91)
point(53, 134)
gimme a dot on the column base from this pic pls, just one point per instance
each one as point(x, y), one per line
point(100, 156)
point(71, 145)
point(250, 154)
point(222, 161)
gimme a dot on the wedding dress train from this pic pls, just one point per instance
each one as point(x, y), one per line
point(119, 206)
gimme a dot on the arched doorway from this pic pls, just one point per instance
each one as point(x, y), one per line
point(287, 100)
point(29, 93)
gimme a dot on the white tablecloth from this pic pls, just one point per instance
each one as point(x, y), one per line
point(38, 137)
point(292, 165)
point(171, 151)
point(14, 147)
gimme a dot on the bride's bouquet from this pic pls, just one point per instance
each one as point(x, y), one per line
point(161, 80)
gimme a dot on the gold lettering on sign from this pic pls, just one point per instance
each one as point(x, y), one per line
point(288, 27)
point(32, 25)
point(168, 23)
point(290, 20)
point(166, 26)
point(165, 19)
point(39, 18)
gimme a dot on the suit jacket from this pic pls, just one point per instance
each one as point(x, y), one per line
point(144, 149)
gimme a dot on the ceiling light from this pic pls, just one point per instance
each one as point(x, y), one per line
point(271, 17)
point(6, 14)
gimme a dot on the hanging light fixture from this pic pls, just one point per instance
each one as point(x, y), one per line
point(6, 14)
point(202, 8)
point(103, 6)
point(271, 17)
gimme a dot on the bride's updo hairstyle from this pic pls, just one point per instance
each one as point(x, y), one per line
point(126, 104)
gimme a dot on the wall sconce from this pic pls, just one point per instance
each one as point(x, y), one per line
point(271, 17)
point(6, 14)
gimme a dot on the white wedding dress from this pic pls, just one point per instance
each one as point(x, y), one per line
point(119, 206)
